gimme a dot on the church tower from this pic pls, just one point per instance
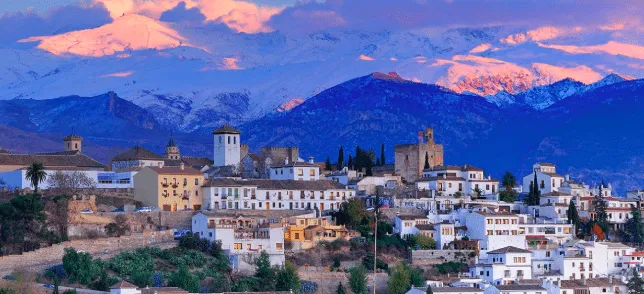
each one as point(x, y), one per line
point(227, 146)
point(73, 142)
point(171, 150)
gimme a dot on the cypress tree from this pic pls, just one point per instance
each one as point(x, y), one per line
point(340, 158)
point(383, 161)
point(634, 227)
point(534, 195)
point(350, 162)
point(426, 161)
point(601, 216)
point(635, 285)
point(573, 215)
point(327, 163)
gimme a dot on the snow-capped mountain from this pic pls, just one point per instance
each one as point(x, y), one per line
point(543, 96)
point(190, 77)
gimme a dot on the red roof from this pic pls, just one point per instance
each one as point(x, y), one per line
point(636, 253)
point(535, 237)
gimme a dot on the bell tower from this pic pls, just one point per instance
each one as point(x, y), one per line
point(172, 150)
point(227, 146)
point(73, 142)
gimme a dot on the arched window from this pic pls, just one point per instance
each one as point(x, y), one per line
point(234, 140)
point(228, 139)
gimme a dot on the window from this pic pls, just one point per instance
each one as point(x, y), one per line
point(460, 187)
point(228, 139)
point(238, 246)
point(278, 246)
point(297, 236)
point(547, 253)
point(312, 172)
point(300, 172)
point(234, 140)
point(196, 181)
point(543, 184)
point(449, 185)
point(248, 247)
point(489, 221)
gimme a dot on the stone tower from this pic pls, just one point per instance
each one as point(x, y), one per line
point(227, 150)
point(172, 150)
point(73, 142)
point(409, 159)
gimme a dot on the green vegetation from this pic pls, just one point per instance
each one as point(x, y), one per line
point(36, 174)
point(403, 277)
point(635, 285)
point(340, 289)
point(534, 195)
point(194, 261)
point(421, 242)
point(22, 224)
point(634, 227)
point(358, 280)
point(451, 267)
point(508, 194)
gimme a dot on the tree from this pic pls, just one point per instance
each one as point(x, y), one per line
point(70, 182)
point(383, 161)
point(36, 174)
point(634, 227)
point(601, 216)
point(80, 267)
point(264, 272)
point(22, 224)
point(477, 192)
point(287, 278)
point(399, 283)
point(573, 215)
point(507, 196)
point(508, 180)
point(534, 195)
point(340, 289)
point(350, 162)
point(598, 232)
point(351, 213)
point(358, 280)
point(120, 226)
point(429, 290)
point(340, 158)
point(635, 285)
point(327, 163)
point(183, 279)
point(426, 161)
point(425, 242)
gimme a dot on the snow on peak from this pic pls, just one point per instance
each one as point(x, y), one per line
point(129, 32)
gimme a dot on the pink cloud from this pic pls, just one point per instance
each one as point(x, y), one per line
point(365, 57)
point(117, 74)
point(612, 47)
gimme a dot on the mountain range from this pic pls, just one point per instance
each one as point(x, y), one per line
point(590, 131)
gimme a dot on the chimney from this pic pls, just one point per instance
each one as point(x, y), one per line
point(567, 177)
point(311, 159)
point(285, 161)
point(610, 279)
point(583, 280)
point(420, 138)
point(182, 166)
point(558, 283)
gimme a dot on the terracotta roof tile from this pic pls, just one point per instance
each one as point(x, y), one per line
point(226, 129)
point(51, 160)
point(137, 153)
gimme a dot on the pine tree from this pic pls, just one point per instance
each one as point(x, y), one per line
point(327, 163)
point(635, 285)
point(399, 283)
point(340, 289)
point(634, 227)
point(426, 161)
point(429, 290)
point(573, 215)
point(340, 158)
point(601, 216)
point(534, 196)
point(383, 161)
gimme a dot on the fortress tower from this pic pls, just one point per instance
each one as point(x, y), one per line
point(227, 150)
point(410, 158)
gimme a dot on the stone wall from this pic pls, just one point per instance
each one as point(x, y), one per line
point(53, 255)
point(431, 257)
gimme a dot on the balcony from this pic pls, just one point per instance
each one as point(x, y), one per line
point(164, 185)
point(582, 269)
point(175, 185)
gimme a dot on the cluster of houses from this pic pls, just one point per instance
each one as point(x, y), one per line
point(274, 200)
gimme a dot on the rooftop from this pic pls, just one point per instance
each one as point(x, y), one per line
point(175, 170)
point(226, 129)
point(596, 282)
point(455, 289)
point(137, 153)
point(465, 167)
point(515, 287)
point(296, 164)
point(276, 184)
point(546, 164)
point(509, 249)
point(49, 160)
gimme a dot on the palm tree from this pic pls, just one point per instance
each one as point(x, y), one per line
point(36, 174)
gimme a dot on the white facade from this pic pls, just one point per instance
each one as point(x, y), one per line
point(405, 225)
point(17, 178)
point(547, 178)
point(504, 265)
point(263, 194)
point(242, 237)
point(227, 147)
point(516, 289)
point(454, 180)
point(494, 230)
point(299, 171)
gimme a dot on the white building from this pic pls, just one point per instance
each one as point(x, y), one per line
point(242, 237)
point(227, 146)
point(515, 289)
point(504, 266)
point(342, 176)
point(494, 230)
point(548, 180)
point(608, 285)
point(136, 157)
point(265, 194)
point(458, 180)
point(407, 225)
point(299, 171)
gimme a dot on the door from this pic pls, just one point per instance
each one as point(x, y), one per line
point(290, 206)
point(197, 207)
point(174, 206)
point(166, 207)
point(268, 206)
point(321, 206)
